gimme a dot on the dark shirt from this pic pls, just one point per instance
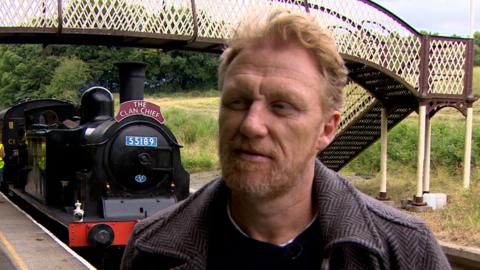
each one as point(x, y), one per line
point(232, 249)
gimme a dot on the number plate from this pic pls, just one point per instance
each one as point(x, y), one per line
point(141, 141)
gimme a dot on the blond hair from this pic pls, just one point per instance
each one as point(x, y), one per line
point(286, 26)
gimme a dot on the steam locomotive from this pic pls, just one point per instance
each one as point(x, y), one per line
point(94, 173)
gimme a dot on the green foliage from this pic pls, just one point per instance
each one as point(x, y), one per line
point(459, 222)
point(25, 72)
point(476, 61)
point(169, 72)
point(191, 127)
point(476, 81)
point(30, 71)
point(402, 141)
point(424, 32)
point(197, 132)
point(181, 70)
point(69, 76)
point(447, 145)
point(185, 94)
point(464, 210)
point(446, 149)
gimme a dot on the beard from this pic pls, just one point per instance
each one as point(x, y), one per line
point(260, 179)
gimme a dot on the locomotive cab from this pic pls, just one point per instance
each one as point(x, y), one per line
point(47, 172)
point(13, 126)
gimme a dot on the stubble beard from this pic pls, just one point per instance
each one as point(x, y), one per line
point(259, 180)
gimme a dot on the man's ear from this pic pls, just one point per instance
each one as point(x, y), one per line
point(329, 130)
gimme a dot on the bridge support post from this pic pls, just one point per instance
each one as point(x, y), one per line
point(468, 147)
point(422, 115)
point(383, 156)
point(428, 145)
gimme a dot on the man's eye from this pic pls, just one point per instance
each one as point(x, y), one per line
point(281, 107)
point(236, 104)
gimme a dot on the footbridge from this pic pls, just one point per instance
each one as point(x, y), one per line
point(394, 70)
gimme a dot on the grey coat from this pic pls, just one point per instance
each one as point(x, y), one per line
point(359, 232)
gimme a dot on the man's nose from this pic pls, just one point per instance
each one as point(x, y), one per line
point(254, 123)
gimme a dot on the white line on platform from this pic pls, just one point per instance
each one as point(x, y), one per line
point(63, 245)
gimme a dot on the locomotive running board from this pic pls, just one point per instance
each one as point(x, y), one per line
point(54, 214)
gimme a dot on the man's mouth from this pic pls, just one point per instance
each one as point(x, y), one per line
point(253, 155)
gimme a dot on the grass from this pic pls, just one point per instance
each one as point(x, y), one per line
point(476, 81)
point(458, 223)
point(193, 120)
point(204, 105)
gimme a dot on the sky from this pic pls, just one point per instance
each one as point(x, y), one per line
point(445, 17)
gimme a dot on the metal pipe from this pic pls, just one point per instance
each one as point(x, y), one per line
point(424, 69)
point(421, 152)
point(428, 141)
point(383, 155)
point(60, 17)
point(194, 20)
point(468, 147)
point(132, 80)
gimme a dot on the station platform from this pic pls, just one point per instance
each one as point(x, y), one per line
point(27, 245)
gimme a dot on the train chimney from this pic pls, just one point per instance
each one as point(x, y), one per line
point(132, 80)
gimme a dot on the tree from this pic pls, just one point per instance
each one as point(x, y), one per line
point(476, 60)
point(69, 76)
point(25, 71)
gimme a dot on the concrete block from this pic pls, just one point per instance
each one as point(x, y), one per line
point(435, 200)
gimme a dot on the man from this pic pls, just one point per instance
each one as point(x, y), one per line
point(276, 206)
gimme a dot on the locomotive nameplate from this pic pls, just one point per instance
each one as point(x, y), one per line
point(140, 107)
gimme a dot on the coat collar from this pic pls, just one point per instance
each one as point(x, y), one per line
point(182, 231)
point(343, 212)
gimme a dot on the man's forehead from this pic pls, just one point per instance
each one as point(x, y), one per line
point(288, 60)
point(266, 85)
point(287, 73)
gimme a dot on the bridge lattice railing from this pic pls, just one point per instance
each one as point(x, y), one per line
point(357, 101)
point(364, 31)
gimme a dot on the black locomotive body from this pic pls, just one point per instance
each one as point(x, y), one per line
point(92, 172)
